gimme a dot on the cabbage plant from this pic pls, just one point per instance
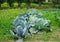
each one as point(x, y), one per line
point(30, 22)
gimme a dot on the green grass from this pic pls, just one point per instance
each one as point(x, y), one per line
point(7, 16)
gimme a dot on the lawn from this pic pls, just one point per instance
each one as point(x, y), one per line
point(7, 16)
